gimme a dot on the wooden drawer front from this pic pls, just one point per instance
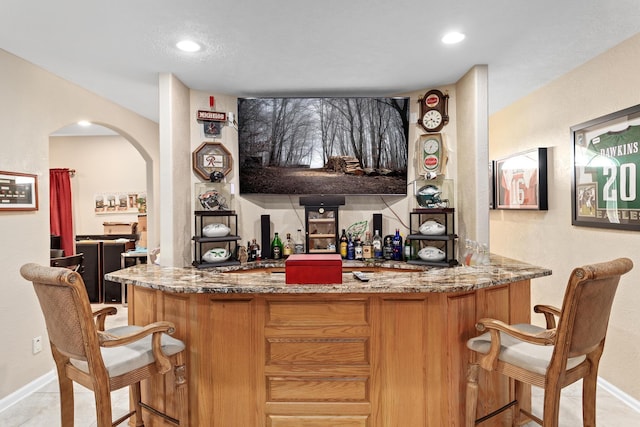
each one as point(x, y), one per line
point(317, 313)
point(316, 389)
point(317, 421)
point(336, 351)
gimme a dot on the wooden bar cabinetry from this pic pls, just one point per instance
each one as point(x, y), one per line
point(328, 360)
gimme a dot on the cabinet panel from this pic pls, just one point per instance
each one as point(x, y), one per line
point(338, 351)
point(317, 389)
point(317, 421)
point(317, 313)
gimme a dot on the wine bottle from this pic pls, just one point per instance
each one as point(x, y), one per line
point(343, 244)
point(276, 247)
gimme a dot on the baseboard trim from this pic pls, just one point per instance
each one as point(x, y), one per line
point(619, 394)
point(23, 392)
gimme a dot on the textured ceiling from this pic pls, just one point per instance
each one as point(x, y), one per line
point(308, 47)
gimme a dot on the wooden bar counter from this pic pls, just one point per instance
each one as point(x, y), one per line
point(385, 353)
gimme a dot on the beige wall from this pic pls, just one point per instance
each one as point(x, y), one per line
point(604, 85)
point(103, 164)
point(35, 103)
point(285, 212)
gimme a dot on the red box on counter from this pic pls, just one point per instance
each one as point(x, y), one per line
point(313, 269)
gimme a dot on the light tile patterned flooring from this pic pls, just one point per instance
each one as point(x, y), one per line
point(42, 408)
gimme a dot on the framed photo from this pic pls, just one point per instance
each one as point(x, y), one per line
point(521, 181)
point(606, 171)
point(210, 157)
point(18, 191)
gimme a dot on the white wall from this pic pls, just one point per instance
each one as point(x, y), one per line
point(285, 212)
point(103, 164)
point(608, 83)
point(35, 103)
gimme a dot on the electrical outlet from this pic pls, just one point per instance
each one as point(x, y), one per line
point(36, 345)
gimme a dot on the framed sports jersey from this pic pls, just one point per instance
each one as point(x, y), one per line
point(606, 171)
point(521, 181)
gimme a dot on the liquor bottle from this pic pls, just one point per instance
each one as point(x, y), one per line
point(377, 245)
point(276, 247)
point(287, 248)
point(367, 250)
point(397, 246)
point(387, 247)
point(408, 250)
point(343, 244)
point(298, 244)
point(251, 255)
point(351, 248)
point(358, 249)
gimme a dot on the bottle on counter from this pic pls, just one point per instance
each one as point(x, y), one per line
point(250, 254)
point(343, 244)
point(358, 250)
point(387, 247)
point(397, 246)
point(377, 245)
point(408, 250)
point(276, 247)
point(287, 248)
point(351, 248)
point(367, 250)
point(298, 244)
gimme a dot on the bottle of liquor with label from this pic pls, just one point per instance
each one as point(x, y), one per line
point(408, 250)
point(351, 248)
point(298, 244)
point(358, 249)
point(397, 246)
point(276, 247)
point(343, 244)
point(287, 248)
point(387, 247)
point(377, 245)
point(367, 250)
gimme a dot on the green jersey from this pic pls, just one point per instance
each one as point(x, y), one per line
point(613, 158)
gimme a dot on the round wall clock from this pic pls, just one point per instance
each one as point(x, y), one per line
point(210, 157)
point(433, 111)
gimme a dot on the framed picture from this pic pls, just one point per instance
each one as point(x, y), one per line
point(521, 181)
point(18, 191)
point(210, 157)
point(606, 171)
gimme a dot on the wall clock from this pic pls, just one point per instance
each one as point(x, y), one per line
point(432, 155)
point(210, 157)
point(433, 111)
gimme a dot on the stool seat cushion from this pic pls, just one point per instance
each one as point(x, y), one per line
point(126, 358)
point(532, 357)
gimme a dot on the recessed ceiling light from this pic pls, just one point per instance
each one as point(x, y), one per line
point(453, 37)
point(188, 46)
point(84, 123)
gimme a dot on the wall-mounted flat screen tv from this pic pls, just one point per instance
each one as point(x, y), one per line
point(323, 146)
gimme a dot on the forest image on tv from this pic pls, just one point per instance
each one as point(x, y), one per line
point(323, 145)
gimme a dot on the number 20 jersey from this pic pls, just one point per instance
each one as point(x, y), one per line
point(614, 157)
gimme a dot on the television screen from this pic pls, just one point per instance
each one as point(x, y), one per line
point(341, 146)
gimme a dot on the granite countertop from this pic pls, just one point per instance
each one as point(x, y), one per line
point(249, 279)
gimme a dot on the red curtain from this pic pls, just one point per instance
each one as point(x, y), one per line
point(61, 215)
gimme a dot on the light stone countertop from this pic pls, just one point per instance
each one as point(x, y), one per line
point(423, 279)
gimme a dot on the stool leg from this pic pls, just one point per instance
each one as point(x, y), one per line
point(472, 395)
point(136, 397)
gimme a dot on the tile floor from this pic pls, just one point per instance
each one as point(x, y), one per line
point(42, 409)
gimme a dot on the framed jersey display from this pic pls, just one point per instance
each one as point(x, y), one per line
point(606, 171)
point(521, 181)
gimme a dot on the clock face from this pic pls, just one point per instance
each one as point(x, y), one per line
point(431, 146)
point(431, 119)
